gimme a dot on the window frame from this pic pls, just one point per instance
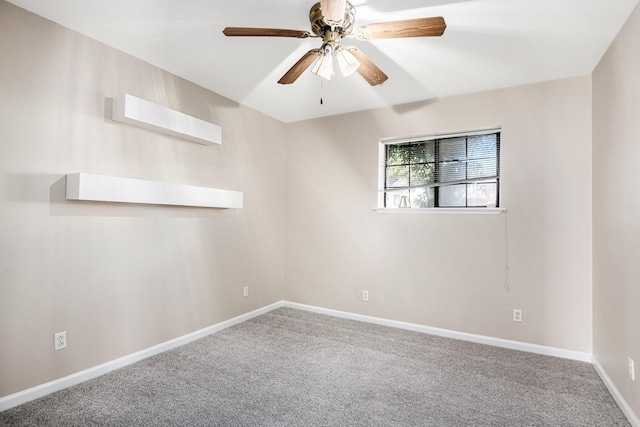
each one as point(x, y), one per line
point(382, 190)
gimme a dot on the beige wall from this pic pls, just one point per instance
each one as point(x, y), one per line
point(616, 210)
point(120, 278)
point(447, 271)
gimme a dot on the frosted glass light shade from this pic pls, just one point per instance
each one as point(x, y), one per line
point(324, 66)
point(347, 62)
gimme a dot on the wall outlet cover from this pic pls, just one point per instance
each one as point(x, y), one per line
point(60, 340)
point(517, 315)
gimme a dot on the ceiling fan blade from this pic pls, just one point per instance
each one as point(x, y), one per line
point(300, 67)
point(368, 69)
point(421, 27)
point(264, 32)
point(333, 10)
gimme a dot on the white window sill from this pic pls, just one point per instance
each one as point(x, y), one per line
point(440, 211)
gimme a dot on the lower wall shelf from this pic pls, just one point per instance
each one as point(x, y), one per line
point(104, 188)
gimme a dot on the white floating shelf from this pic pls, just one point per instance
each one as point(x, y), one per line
point(138, 112)
point(104, 188)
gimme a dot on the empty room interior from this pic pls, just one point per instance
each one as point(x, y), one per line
point(309, 214)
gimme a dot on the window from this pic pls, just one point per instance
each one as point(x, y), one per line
point(445, 171)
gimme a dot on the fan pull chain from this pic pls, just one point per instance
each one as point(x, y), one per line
point(321, 90)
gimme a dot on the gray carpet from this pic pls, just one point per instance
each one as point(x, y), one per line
point(294, 368)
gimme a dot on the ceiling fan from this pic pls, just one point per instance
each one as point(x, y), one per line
point(332, 20)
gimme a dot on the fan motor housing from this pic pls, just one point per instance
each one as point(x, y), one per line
point(319, 26)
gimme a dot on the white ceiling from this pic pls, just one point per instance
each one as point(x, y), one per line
point(488, 44)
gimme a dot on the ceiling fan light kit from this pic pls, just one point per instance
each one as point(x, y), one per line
point(347, 62)
point(324, 66)
point(332, 20)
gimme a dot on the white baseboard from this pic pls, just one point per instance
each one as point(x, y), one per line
point(624, 406)
point(480, 339)
point(41, 390)
point(24, 396)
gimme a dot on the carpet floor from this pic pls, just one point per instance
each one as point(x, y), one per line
point(295, 368)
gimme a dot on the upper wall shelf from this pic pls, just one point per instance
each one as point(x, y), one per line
point(104, 188)
point(138, 112)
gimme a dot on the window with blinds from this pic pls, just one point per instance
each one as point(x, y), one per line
point(444, 171)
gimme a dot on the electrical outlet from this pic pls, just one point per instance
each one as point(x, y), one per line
point(60, 340)
point(365, 295)
point(632, 369)
point(517, 315)
point(245, 291)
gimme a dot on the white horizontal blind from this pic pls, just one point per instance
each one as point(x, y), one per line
point(422, 138)
point(458, 170)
